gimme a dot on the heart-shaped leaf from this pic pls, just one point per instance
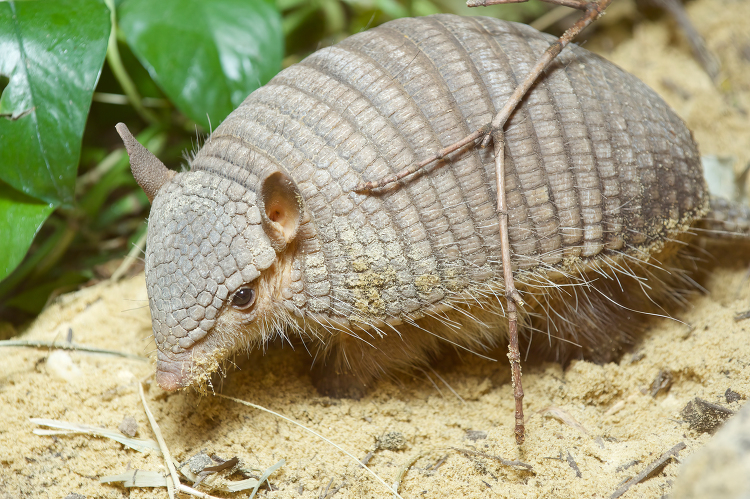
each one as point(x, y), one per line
point(21, 217)
point(206, 56)
point(52, 53)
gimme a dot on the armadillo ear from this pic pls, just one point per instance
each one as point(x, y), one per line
point(149, 172)
point(281, 209)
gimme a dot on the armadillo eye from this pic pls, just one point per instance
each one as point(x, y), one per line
point(243, 298)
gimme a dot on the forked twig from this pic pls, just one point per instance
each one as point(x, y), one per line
point(592, 11)
point(392, 179)
point(494, 131)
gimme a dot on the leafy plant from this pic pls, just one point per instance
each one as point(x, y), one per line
point(172, 69)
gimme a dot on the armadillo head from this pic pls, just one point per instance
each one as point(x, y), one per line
point(210, 242)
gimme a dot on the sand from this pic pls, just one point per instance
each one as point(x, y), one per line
point(600, 419)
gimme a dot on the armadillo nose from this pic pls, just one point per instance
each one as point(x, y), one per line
point(167, 381)
point(172, 374)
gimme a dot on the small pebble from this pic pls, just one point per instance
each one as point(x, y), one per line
point(705, 417)
point(393, 440)
point(129, 426)
point(733, 396)
point(475, 435)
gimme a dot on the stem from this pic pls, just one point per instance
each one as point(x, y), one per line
point(118, 69)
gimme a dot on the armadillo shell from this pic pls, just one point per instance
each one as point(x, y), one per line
point(597, 163)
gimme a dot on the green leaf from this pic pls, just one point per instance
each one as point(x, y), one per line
point(21, 217)
point(52, 53)
point(392, 8)
point(206, 56)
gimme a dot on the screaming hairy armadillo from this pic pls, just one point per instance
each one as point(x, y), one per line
point(265, 237)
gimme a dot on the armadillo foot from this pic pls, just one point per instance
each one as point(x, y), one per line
point(331, 383)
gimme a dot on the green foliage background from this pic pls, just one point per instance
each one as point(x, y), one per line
point(71, 69)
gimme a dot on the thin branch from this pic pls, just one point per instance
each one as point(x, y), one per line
point(162, 445)
point(505, 462)
point(494, 131)
point(574, 4)
point(673, 452)
point(511, 293)
point(591, 14)
point(70, 346)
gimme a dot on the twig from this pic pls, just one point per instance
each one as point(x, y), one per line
point(575, 4)
point(573, 465)
point(324, 493)
point(511, 294)
point(335, 491)
point(367, 458)
point(563, 416)
point(438, 464)
point(69, 346)
point(494, 131)
point(673, 452)
point(162, 444)
point(592, 12)
point(469, 139)
point(289, 420)
point(404, 469)
point(505, 462)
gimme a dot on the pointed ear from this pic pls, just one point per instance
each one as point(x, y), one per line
point(281, 208)
point(149, 172)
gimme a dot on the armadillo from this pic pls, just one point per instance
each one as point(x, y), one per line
point(265, 236)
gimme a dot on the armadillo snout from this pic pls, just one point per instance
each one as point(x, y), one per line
point(205, 241)
point(173, 372)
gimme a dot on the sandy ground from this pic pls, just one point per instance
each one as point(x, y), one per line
point(614, 427)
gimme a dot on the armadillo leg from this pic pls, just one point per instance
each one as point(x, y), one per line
point(332, 381)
